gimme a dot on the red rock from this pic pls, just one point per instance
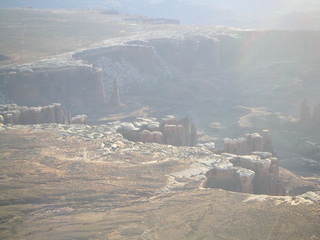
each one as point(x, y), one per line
point(251, 143)
point(48, 114)
point(28, 116)
point(37, 115)
point(54, 113)
point(8, 118)
point(171, 134)
point(243, 146)
point(79, 119)
point(158, 137)
point(79, 85)
point(179, 133)
point(227, 145)
point(257, 141)
point(58, 113)
point(15, 116)
point(224, 177)
point(246, 178)
point(147, 136)
point(267, 141)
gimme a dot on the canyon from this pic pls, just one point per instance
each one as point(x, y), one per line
point(161, 131)
point(222, 63)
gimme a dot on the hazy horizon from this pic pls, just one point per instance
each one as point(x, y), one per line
point(284, 14)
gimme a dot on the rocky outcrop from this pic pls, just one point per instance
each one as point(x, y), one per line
point(168, 130)
point(79, 119)
point(266, 180)
point(250, 143)
point(178, 132)
point(246, 177)
point(130, 132)
point(78, 87)
point(257, 173)
point(14, 114)
point(228, 177)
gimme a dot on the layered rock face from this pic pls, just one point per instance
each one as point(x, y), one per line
point(79, 119)
point(257, 173)
point(184, 62)
point(190, 69)
point(168, 130)
point(178, 132)
point(250, 143)
point(79, 88)
point(1, 120)
point(228, 177)
point(163, 70)
point(14, 114)
point(266, 168)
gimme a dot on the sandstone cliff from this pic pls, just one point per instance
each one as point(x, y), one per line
point(184, 70)
point(168, 130)
point(78, 87)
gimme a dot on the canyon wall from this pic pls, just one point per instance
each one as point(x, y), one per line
point(199, 72)
point(169, 72)
point(78, 88)
point(54, 113)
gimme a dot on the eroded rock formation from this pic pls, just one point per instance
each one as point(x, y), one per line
point(168, 130)
point(14, 114)
point(257, 173)
point(250, 143)
point(228, 177)
point(79, 119)
point(78, 87)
